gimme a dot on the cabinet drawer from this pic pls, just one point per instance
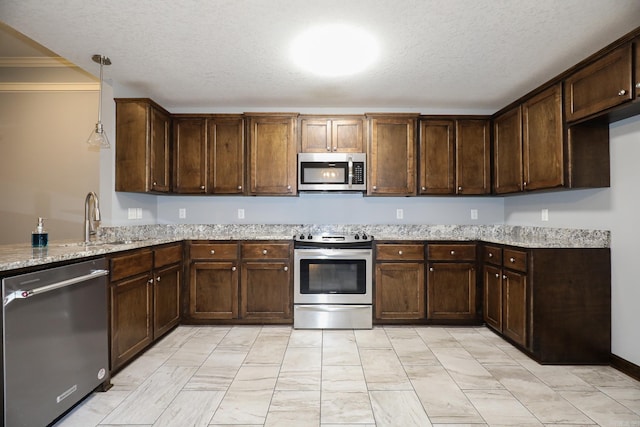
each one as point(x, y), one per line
point(451, 252)
point(492, 255)
point(399, 252)
point(227, 251)
point(515, 260)
point(265, 250)
point(131, 264)
point(167, 255)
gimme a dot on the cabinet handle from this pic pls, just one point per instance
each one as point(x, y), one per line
point(490, 255)
point(328, 148)
point(375, 187)
point(150, 280)
point(286, 268)
point(233, 268)
point(504, 276)
point(459, 188)
point(154, 183)
point(335, 148)
point(622, 92)
point(213, 251)
point(524, 183)
point(453, 252)
point(638, 85)
point(158, 279)
point(202, 187)
point(512, 260)
point(288, 187)
point(497, 275)
point(423, 188)
point(399, 252)
point(239, 187)
point(264, 252)
point(430, 268)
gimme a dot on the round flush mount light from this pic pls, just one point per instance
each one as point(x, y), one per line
point(334, 50)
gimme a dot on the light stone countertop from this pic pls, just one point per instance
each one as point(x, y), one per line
point(117, 239)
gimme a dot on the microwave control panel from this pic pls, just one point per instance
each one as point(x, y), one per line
point(358, 172)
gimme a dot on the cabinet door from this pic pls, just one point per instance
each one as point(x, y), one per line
point(347, 135)
point(436, 147)
point(399, 290)
point(266, 290)
point(493, 297)
point(272, 154)
point(451, 291)
point(542, 141)
point(225, 142)
point(507, 151)
point(166, 299)
point(213, 290)
point(131, 324)
point(514, 310)
point(600, 85)
point(636, 74)
point(315, 135)
point(473, 157)
point(190, 155)
point(160, 151)
point(392, 161)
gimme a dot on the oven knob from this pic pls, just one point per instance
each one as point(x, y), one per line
point(302, 237)
point(364, 236)
point(309, 237)
point(357, 237)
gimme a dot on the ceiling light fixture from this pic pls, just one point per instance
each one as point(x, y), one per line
point(334, 50)
point(98, 137)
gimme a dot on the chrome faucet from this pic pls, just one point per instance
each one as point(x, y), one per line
point(91, 216)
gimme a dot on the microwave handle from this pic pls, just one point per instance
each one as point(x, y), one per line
point(350, 171)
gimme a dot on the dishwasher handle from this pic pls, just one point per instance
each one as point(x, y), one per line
point(52, 287)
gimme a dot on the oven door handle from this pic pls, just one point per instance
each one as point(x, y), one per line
point(350, 171)
point(325, 308)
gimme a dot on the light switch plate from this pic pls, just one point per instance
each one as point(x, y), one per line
point(131, 213)
point(138, 213)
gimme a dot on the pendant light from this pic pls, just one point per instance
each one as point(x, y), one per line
point(98, 137)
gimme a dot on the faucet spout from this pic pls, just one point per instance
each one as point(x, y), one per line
point(91, 215)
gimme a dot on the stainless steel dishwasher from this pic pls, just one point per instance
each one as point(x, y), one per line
point(55, 342)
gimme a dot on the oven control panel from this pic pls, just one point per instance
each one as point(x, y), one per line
point(326, 238)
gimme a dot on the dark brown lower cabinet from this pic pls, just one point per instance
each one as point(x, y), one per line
point(144, 294)
point(265, 290)
point(554, 303)
point(399, 290)
point(213, 290)
point(452, 281)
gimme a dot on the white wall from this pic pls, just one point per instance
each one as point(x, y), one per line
point(616, 209)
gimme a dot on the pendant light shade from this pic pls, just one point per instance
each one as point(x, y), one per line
point(98, 137)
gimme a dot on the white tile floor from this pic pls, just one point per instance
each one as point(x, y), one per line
point(388, 376)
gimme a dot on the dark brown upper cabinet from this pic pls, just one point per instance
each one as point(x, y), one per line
point(320, 134)
point(454, 156)
point(507, 151)
point(603, 84)
point(208, 154)
point(272, 154)
point(392, 154)
point(142, 146)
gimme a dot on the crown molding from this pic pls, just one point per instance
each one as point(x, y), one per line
point(49, 87)
point(35, 62)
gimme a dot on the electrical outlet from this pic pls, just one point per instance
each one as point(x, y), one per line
point(474, 213)
point(131, 213)
point(399, 213)
point(182, 213)
point(544, 215)
point(240, 213)
point(138, 213)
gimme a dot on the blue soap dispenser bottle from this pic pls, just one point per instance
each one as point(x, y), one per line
point(39, 237)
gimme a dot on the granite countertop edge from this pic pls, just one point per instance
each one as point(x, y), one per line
point(118, 239)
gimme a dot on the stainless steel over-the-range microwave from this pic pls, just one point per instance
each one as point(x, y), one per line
point(332, 172)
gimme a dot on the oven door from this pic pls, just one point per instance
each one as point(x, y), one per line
point(333, 276)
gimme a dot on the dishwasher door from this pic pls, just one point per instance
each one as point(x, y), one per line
point(55, 343)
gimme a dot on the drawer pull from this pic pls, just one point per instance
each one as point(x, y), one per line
point(155, 183)
point(264, 252)
point(158, 279)
point(453, 252)
point(622, 92)
point(286, 268)
point(239, 187)
point(638, 85)
point(504, 276)
point(430, 268)
point(497, 276)
point(375, 187)
point(512, 259)
point(150, 280)
point(233, 268)
point(213, 251)
point(490, 255)
point(202, 187)
point(289, 187)
point(399, 252)
point(423, 188)
point(459, 188)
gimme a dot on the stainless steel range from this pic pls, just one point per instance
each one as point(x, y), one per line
point(333, 281)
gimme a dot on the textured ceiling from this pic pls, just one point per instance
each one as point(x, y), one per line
point(436, 55)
